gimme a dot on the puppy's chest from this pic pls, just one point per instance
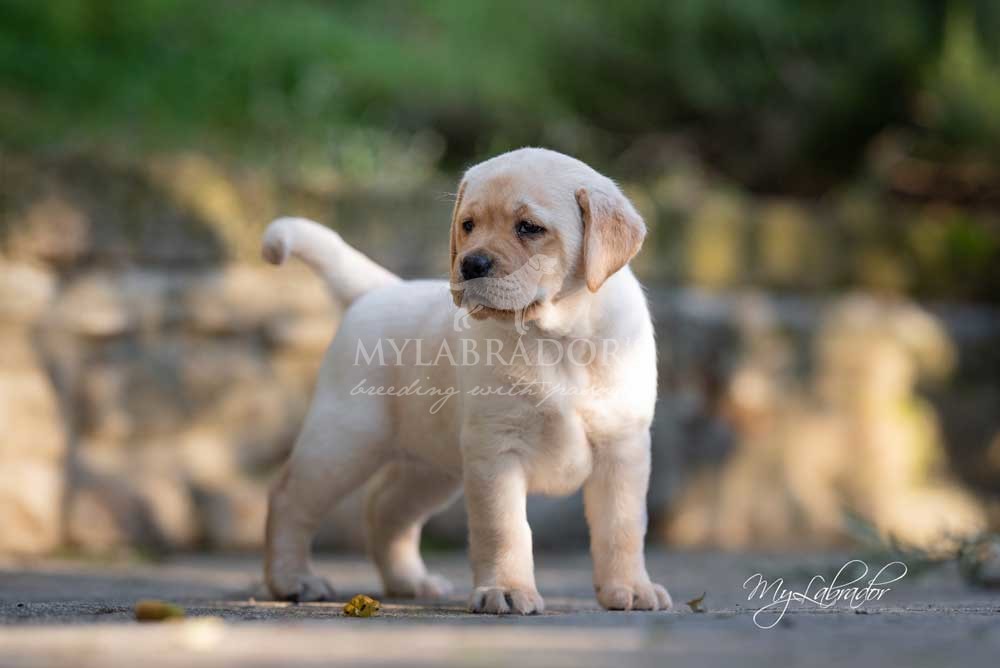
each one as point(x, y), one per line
point(570, 417)
point(559, 458)
point(576, 396)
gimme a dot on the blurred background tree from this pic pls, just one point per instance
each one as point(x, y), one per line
point(783, 96)
point(775, 97)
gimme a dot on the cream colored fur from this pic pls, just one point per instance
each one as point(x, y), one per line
point(593, 432)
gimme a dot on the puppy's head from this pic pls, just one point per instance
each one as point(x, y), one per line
point(533, 225)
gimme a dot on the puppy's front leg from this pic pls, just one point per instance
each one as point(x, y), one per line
point(615, 501)
point(499, 536)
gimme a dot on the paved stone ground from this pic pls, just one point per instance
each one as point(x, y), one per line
point(80, 614)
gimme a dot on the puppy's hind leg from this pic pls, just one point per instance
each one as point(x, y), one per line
point(401, 497)
point(331, 458)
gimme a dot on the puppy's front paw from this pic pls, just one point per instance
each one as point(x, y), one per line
point(642, 595)
point(505, 601)
point(430, 585)
point(303, 589)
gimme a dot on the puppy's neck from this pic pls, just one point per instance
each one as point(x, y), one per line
point(566, 316)
point(577, 313)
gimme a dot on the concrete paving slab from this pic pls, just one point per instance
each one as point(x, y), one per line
point(82, 614)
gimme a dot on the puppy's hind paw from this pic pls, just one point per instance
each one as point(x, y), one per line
point(305, 589)
point(433, 585)
point(429, 586)
point(506, 601)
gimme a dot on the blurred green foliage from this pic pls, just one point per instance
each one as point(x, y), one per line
point(781, 94)
point(791, 144)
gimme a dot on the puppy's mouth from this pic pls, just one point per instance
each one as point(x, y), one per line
point(508, 293)
point(482, 305)
point(487, 312)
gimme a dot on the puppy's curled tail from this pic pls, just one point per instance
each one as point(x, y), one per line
point(348, 273)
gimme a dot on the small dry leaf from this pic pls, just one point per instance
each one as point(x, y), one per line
point(695, 603)
point(979, 561)
point(362, 606)
point(151, 610)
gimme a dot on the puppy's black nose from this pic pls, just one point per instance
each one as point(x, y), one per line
point(476, 266)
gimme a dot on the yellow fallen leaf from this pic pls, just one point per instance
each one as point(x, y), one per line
point(361, 606)
point(695, 603)
point(151, 610)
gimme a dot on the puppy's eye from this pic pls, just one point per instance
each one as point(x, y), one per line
point(468, 225)
point(526, 228)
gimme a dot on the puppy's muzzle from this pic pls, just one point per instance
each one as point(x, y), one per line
point(476, 265)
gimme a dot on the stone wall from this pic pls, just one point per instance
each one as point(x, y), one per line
point(790, 422)
point(153, 374)
point(149, 407)
point(33, 442)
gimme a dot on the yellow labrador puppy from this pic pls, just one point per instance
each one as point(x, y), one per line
point(424, 410)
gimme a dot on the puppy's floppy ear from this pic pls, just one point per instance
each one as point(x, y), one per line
point(453, 245)
point(612, 232)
